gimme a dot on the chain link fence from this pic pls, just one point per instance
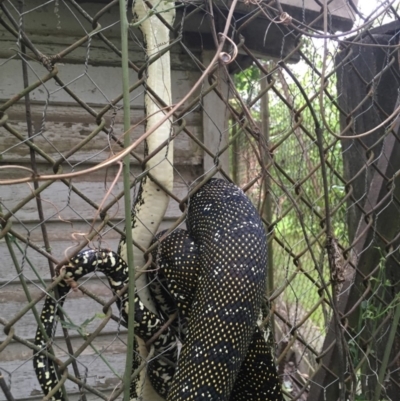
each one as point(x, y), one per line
point(300, 115)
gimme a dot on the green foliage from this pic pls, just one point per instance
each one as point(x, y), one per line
point(371, 310)
point(247, 82)
point(82, 328)
point(298, 197)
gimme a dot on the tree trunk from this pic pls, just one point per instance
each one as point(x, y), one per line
point(368, 82)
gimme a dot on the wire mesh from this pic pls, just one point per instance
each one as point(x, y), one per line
point(300, 115)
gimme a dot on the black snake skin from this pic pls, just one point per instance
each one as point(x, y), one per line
point(116, 270)
point(213, 275)
point(174, 285)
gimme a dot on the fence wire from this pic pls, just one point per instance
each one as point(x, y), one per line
point(300, 115)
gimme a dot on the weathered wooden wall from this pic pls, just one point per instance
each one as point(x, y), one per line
point(59, 123)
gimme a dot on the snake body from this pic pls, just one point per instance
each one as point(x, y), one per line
point(213, 275)
point(116, 270)
point(231, 281)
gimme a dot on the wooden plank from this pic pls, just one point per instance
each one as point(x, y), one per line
point(60, 125)
point(108, 342)
point(57, 19)
point(16, 359)
point(58, 128)
point(64, 212)
point(62, 204)
point(73, 395)
point(98, 374)
point(59, 246)
point(78, 307)
point(47, 20)
point(341, 15)
point(62, 232)
point(59, 138)
point(69, 113)
point(100, 53)
point(54, 144)
point(88, 84)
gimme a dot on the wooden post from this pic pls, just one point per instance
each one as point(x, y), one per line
point(215, 119)
point(372, 223)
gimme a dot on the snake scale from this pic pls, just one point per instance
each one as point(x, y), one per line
point(213, 275)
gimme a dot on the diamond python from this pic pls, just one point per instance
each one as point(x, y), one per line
point(213, 274)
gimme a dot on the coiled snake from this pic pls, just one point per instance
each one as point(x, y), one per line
point(213, 274)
